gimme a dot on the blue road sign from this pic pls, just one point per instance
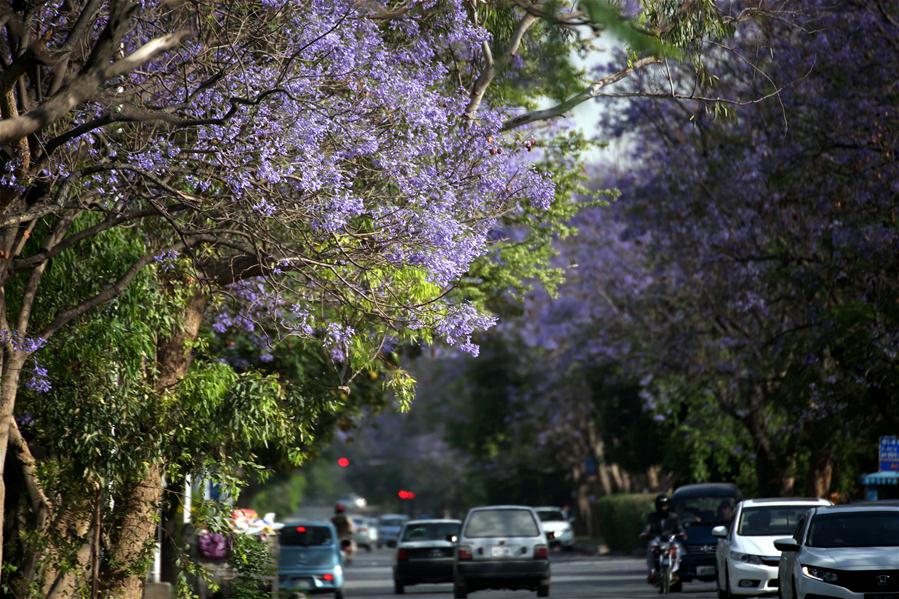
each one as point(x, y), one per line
point(889, 454)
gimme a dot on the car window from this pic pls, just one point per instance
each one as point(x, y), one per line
point(855, 529)
point(430, 531)
point(703, 510)
point(502, 523)
point(770, 521)
point(305, 536)
point(550, 515)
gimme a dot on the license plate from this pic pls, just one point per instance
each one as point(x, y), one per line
point(705, 570)
point(501, 551)
point(303, 585)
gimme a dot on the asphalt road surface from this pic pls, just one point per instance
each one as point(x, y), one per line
point(573, 577)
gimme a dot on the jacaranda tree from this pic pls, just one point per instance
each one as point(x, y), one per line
point(319, 169)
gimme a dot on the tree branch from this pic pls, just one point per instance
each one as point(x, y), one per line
point(592, 92)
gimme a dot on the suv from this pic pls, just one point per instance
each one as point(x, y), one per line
point(700, 508)
point(501, 547)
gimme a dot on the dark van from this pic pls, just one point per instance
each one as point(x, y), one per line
point(700, 508)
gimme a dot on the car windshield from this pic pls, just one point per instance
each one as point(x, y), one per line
point(305, 536)
point(393, 521)
point(707, 511)
point(770, 521)
point(430, 531)
point(501, 523)
point(550, 515)
point(855, 529)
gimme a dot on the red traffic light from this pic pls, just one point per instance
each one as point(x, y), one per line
point(343, 462)
point(404, 494)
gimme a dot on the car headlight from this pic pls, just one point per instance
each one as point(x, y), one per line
point(822, 574)
point(746, 558)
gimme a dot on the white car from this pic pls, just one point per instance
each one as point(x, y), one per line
point(746, 557)
point(554, 521)
point(843, 552)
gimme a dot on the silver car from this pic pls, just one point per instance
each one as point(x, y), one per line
point(501, 547)
point(842, 552)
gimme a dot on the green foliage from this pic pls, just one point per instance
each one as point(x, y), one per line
point(621, 518)
point(254, 560)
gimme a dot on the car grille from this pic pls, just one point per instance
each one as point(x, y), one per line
point(869, 581)
point(430, 552)
point(700, 549)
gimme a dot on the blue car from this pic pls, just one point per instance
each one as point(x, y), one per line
point(309, 559)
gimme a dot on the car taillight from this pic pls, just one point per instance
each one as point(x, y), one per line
point(328, 577)
point(541, 552)
point(464, 553)
point(402, 555)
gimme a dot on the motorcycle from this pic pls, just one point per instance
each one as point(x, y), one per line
point(667, 563)
point(347, 548)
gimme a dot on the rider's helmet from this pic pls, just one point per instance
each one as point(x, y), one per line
point(339, 508)
point(662, 502)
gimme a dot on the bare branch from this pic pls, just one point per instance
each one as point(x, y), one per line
point(592, 92)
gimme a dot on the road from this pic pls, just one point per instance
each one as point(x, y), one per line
point(573, 577)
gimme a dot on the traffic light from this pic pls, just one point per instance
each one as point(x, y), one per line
point(343, 461)
point(404, 494)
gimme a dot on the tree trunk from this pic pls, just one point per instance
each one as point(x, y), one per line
point(173, 358)
point(820, 474)
point(12, 369)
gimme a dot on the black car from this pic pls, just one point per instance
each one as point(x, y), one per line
point(424, 554)
point(700, 508)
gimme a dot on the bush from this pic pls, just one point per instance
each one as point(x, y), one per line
point(620, 519)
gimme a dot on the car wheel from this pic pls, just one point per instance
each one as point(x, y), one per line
point(398, 587)
point(459, 591)
point(543, 590)
point(338, 594)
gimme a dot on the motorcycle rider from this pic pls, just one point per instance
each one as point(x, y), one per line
point(345, 530)
point(659, 523)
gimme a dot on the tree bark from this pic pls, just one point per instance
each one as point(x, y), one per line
point(173, 358)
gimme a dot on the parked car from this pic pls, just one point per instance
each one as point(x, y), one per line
point(842, 552)
point(746, 557)
point(554, 521)
point(389, 527)
point(309, 559)
point(700, 508)
point(501, 547)
point(425, 553)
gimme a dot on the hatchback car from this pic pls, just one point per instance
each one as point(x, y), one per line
point(746, 556)
point(425, 553)
point(362, 533)
point(389, 527)
point(309, 559)
point(501, 547)
point(554, 521)
point(842, 552)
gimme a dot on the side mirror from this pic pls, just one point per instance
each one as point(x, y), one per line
point(452, 539)
point(719, 531)
point(788, 544)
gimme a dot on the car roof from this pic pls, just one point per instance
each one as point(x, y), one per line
point(501, 507)
point(776, 501)
point(862, 506)
point(707, 490)
point(434, 521)
point(290, 523)
point(547, 508)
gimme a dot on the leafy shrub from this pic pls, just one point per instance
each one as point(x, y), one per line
point(620, 519)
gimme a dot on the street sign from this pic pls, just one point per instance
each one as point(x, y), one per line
point(889, 454)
